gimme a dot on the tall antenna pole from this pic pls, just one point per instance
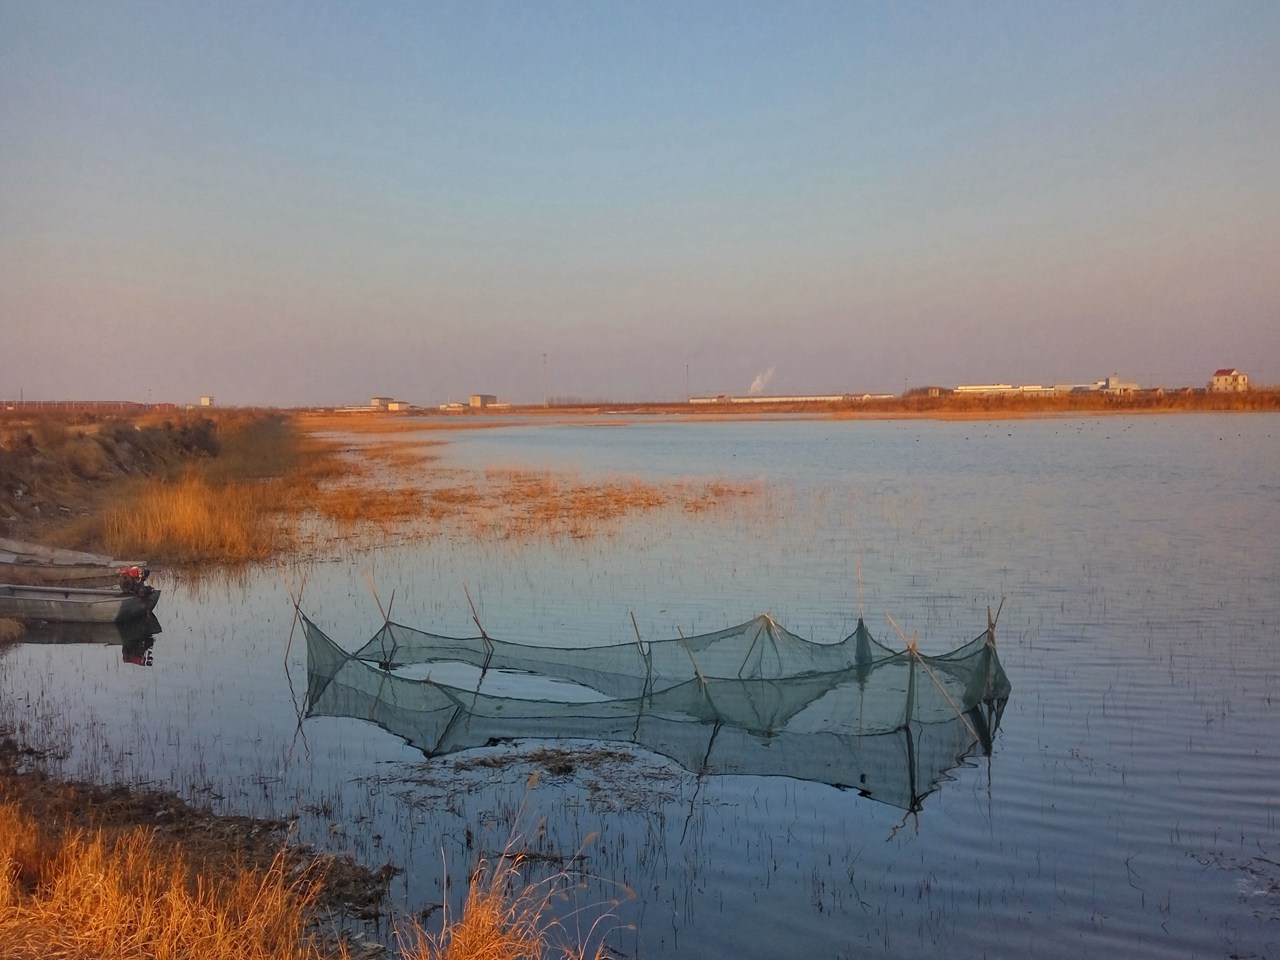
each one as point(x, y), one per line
point(546, 401)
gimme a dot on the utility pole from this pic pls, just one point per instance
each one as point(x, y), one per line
point(546, 400)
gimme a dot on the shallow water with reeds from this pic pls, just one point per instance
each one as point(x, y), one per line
point(1130, 804)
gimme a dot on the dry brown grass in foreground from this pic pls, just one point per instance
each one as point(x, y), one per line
point(78, 894)
point(504, 918)
point(114, 874)
point(121, 897)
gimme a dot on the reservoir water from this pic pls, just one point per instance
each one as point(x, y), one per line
point(1129, 804)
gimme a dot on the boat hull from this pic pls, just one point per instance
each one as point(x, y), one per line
point(23, 562)
point(74, 604)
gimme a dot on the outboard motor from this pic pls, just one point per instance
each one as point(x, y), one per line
point(134, 580)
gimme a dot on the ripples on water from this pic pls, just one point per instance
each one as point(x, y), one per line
point(1130, 802)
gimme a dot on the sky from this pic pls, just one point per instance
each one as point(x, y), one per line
point(312, 203)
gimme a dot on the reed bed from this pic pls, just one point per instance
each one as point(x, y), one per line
point(524, 504)
point(233, 507)
point(122, 895)
point(351, 505)
point(506, 917)
point(91, 895)
point(238, 487)
point(195, 520)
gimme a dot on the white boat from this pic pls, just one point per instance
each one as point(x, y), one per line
point(75, 604)
point(25, 562)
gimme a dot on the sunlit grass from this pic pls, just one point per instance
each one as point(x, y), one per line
point(82, 895)
point(529, 504)
point(236, 487)
point(506, 917)
point(232, 507)
point(123, 897)
point(194, 519)
point(355, 504)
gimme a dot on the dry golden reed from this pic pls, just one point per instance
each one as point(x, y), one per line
point(234, 507)
point(504, 918)
point(349, 505)
point(193, 520)
point(251, 480)
point(94, 896)
point(90, 897)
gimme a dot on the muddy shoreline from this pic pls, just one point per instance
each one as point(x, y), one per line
point(211, 842)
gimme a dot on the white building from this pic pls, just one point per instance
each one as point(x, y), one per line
point(1229, 380)
point(1116, 386)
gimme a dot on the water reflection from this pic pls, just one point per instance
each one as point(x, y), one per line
point(753, 699)
point(136, 638)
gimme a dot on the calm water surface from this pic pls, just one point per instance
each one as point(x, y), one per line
point(1130, 804)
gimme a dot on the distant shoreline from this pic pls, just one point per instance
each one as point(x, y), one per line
point(908, 407)
point(993, 407)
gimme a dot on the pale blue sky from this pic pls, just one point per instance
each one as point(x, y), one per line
point(311, 203)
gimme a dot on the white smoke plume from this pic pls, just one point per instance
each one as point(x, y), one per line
point(758, 384)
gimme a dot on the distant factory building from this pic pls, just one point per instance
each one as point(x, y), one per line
point(1116, 386)
point(755, 398)
point(1109, 385)
point(483, 400)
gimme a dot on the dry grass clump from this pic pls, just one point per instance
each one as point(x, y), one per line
point(707, 496)
point(527, 503)
point(194, 519)
point(504, 918)
point(366, 495)
point(10, 630)
point(385, 485)
point(96, 897)
point(350, 505)
point(232, 507)
point(102, 893)
point(402, 454)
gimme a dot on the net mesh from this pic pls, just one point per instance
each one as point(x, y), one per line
point(750, 699)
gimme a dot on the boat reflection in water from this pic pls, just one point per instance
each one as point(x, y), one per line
point(136, 638)
point(753, 699)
